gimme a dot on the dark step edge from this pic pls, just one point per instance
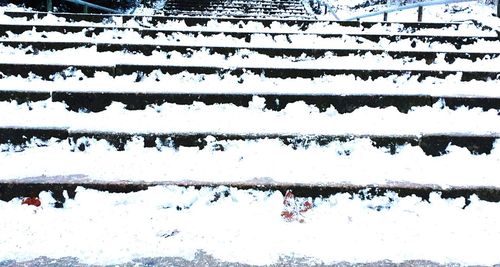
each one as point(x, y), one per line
point(284, 73)
point(431, 144)
point(98, 101)
point(18, 189)
point(47, 71)
point(429, 56)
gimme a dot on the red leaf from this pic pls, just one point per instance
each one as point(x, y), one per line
point(288, 215)
point(294, 208)
point(306, 206)
point(32, 201)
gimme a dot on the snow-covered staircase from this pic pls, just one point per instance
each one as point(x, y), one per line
point(208, 82)
point(121, 103)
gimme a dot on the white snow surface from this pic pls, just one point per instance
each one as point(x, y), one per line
point(261, 40)
point(296, 119)
point(355, 162)
point(244, 59)
point(246, 227)
point(158, 82)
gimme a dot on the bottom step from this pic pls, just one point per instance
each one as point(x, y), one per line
point(248, 227)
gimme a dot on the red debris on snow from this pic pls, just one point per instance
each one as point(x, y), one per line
point(288, 216)
point(294, 209)
point(32, 201)
point(306, 206)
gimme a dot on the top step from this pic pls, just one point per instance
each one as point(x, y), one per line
point(155, 20)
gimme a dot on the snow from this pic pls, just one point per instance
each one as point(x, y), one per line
point(296, 119)
point(184, 82)
point(257, 41)
point(339, 162)
point(243, 59)
point(237, 223)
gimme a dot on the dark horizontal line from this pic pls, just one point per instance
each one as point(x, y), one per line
point(47, 70)
point(13, 189)
point(98, 101)
point(431, 144)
